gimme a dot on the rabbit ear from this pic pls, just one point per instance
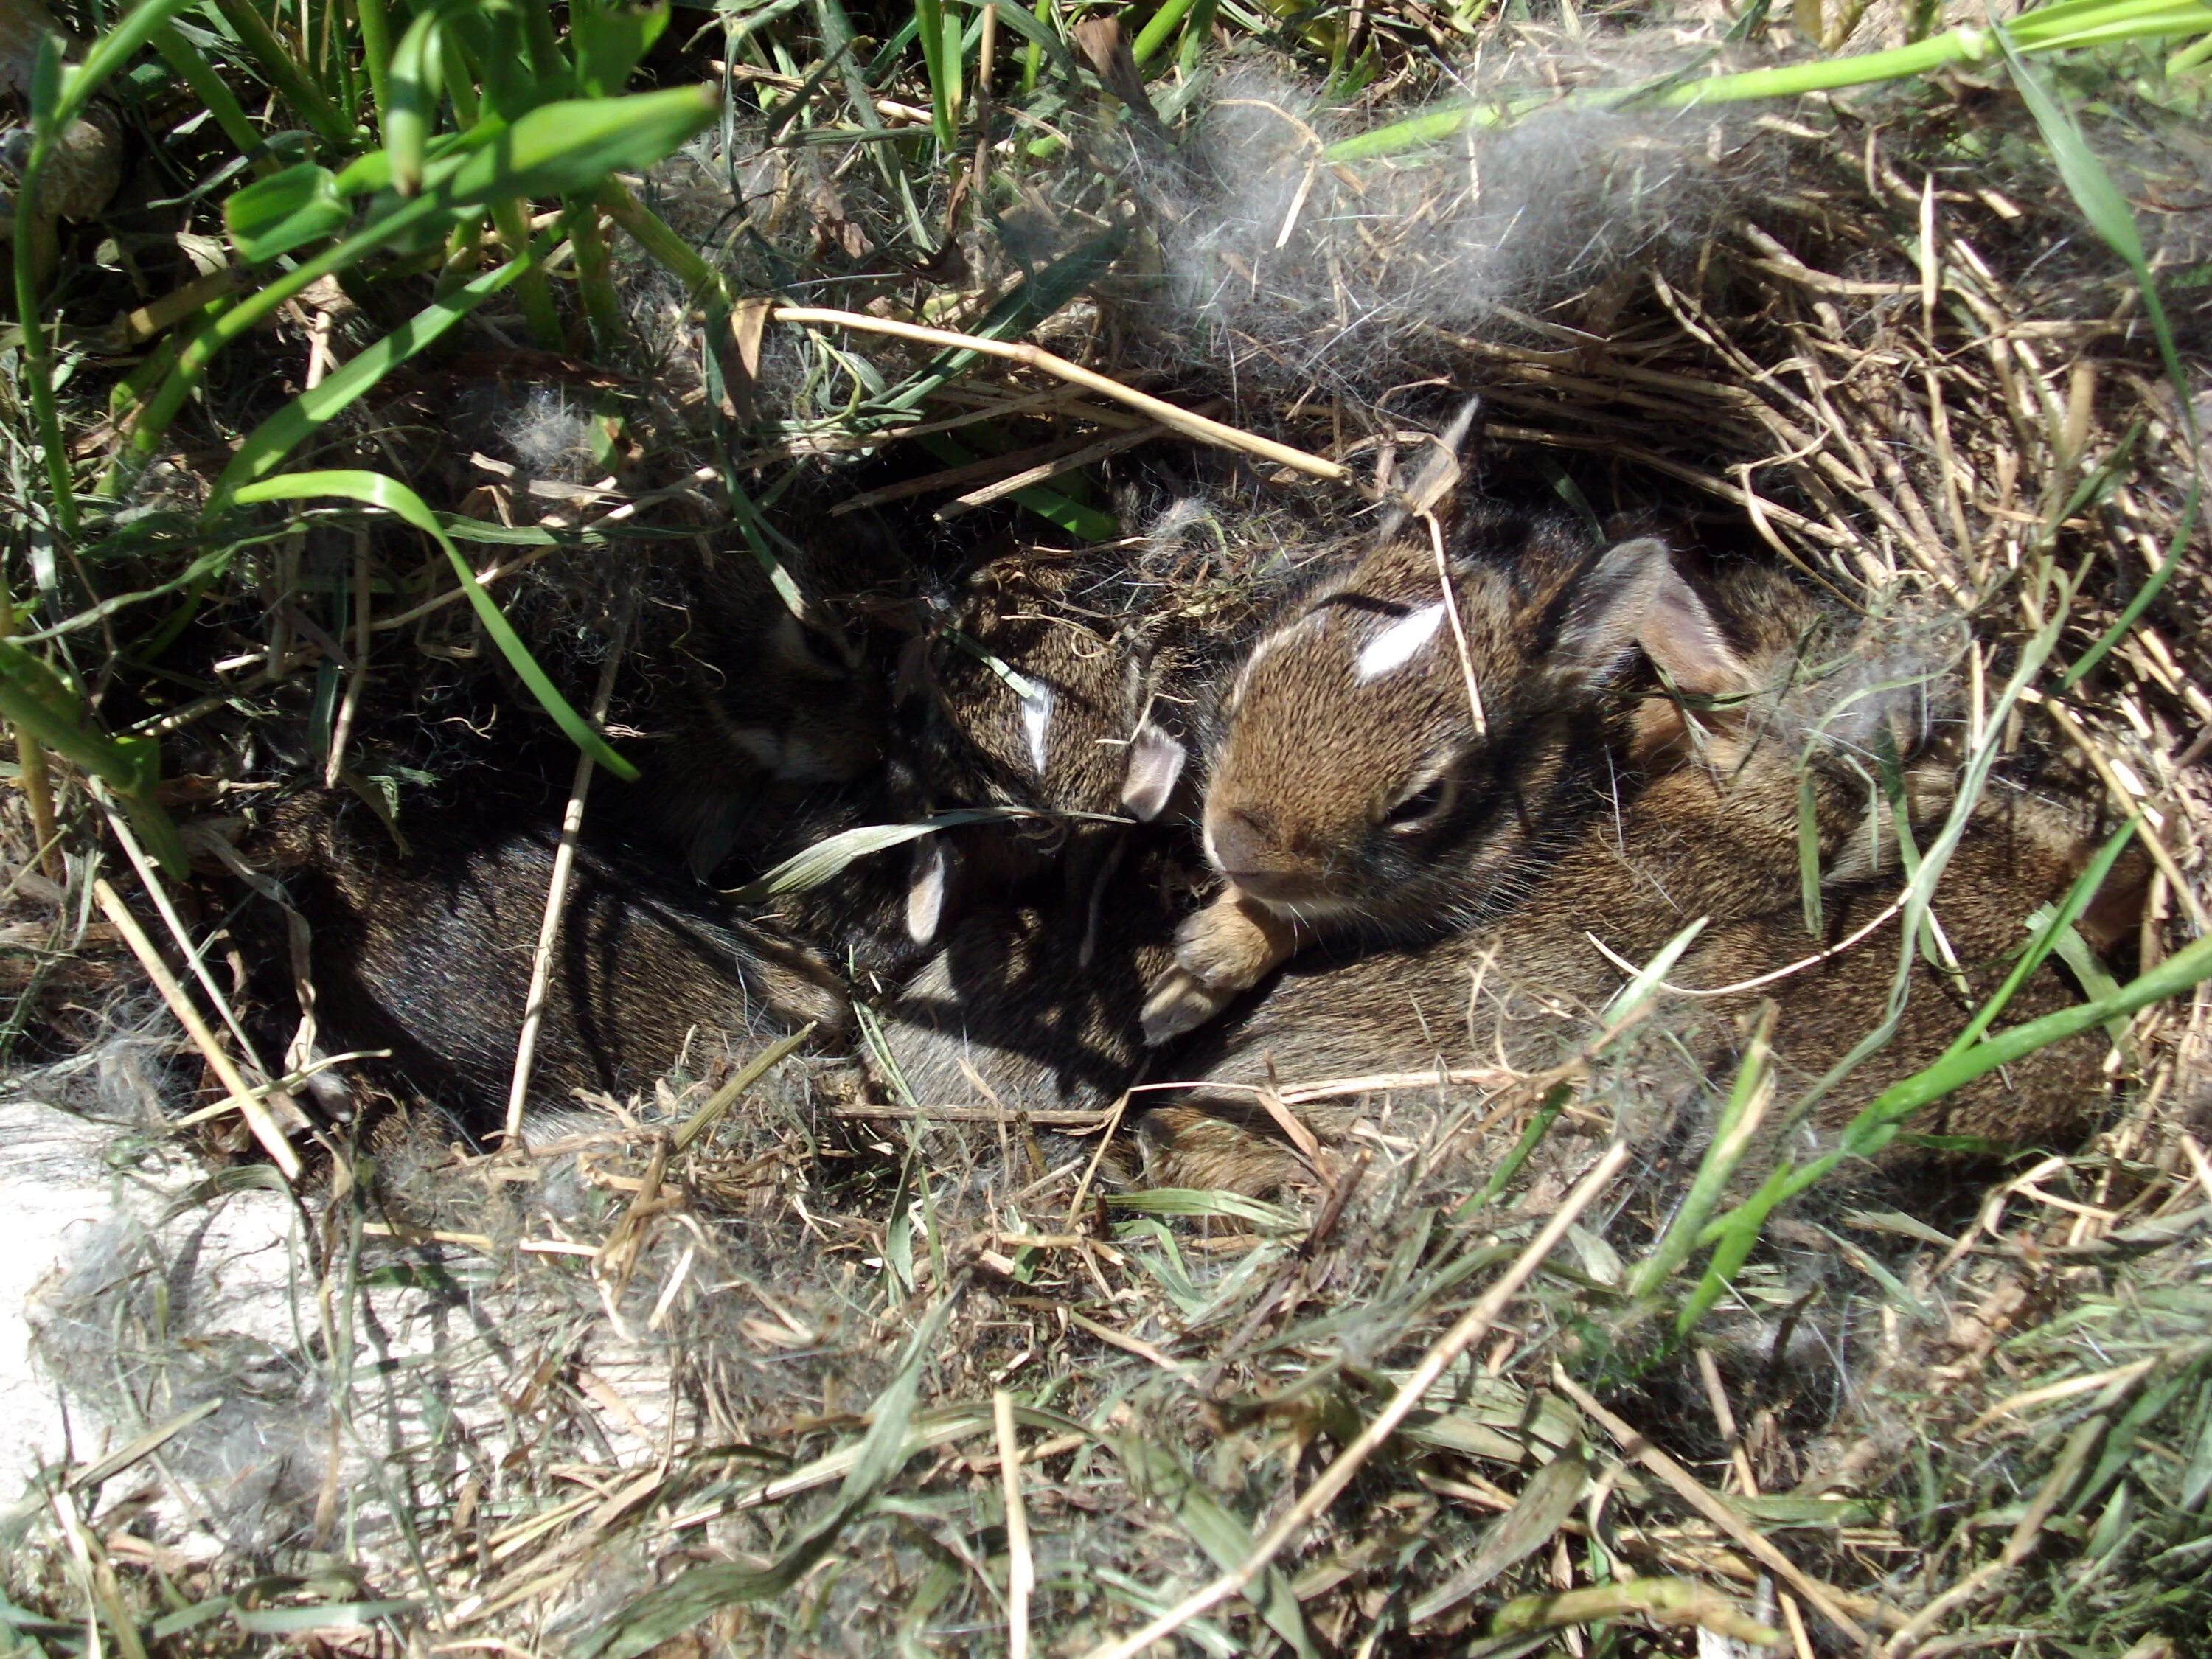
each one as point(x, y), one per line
point(1635, 602)
point(927, 876)
point(1155, 766)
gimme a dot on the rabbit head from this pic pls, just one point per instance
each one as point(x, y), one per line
point(1406, 744)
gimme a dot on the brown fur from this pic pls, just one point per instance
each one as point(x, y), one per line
point(1526, 990)
point(1358, 803)
point(764, 707)
point(430, 955)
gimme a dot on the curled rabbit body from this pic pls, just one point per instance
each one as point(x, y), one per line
point(757, 711)
point(1773, 720)
point(1403, 756)
point(1522, 993)
point(429, 954)
point(1043, 691)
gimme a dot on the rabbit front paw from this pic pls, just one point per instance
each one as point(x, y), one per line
point(1225, 949)
point(1180, 1002)
point(1233, 943)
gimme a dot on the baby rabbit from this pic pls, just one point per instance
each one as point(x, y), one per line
point(430, 955)
point(1039, 688)
point(1021, 1010)
point(1405, 753)
point(1705, 818)
point(1523, 990)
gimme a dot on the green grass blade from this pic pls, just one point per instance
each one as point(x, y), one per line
point(1207, 1201)
point(57, 100)
point(2113, 220)
point(274, 59)
point(1734, 1234)
point(1154, 35)
point(2047, 937)
point(830, 857)
point(409, 101)
point(1502, 1178)
point(267, 444)
point(1754, 1079)
point(609, 41)
point(942, 75)
point(553, 150)
point(191, 67)
point(375, 489)
point(1215, 1528)
point(2097, 196)
point(38, 702)
point(1629, 1000)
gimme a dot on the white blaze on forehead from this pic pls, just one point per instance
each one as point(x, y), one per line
point(1398, 644)
point(1036, 720)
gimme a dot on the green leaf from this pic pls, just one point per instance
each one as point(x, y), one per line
point(375, 489)
point(557, 149)
point(412, 93)
point(827, 858)
point(1536, 1515)
point(669, 1609)
point(609, 39)
point(1159, 1475)
point(288, 209)
point(36, 699)
point(267, 445)
point(1207, 1201)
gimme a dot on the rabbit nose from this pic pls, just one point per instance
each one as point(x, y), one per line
point(1239, 841)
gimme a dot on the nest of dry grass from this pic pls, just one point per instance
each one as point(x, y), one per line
point(768, 1370)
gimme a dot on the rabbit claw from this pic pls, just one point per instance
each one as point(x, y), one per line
point(1180, 1002)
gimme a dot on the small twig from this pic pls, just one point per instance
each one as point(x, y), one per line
point(150, 880)
point(1021, 1565)
point(1375, 1083)
point(350, 704)
point(35, 780)
point(1470, 1327)
point(2146, 827)
point(1743, 985)
point(556, 895)
point(1046, 470)
point(1036, 357)
point(2078, 1447)
point(1458, 627)
point(740, 1080)
point(1072, 1122)
point(256, 1115)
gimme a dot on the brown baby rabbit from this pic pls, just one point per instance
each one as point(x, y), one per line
point(1038, 689)
point(1049, 930)
point(757, 707)
point(1523, 991)
point(430, 955)
point(1704, 819)
point(1403, 756)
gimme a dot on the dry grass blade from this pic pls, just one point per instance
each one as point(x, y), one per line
point(1468, 1329)
point(556, 893)
point(1031, 357)
point(1637, 1446)
point(1021, 1567)
point(242, 1095)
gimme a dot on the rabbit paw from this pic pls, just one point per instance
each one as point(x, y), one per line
point(1232, 943)
point(1180, 1002)
point(1222, 951)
